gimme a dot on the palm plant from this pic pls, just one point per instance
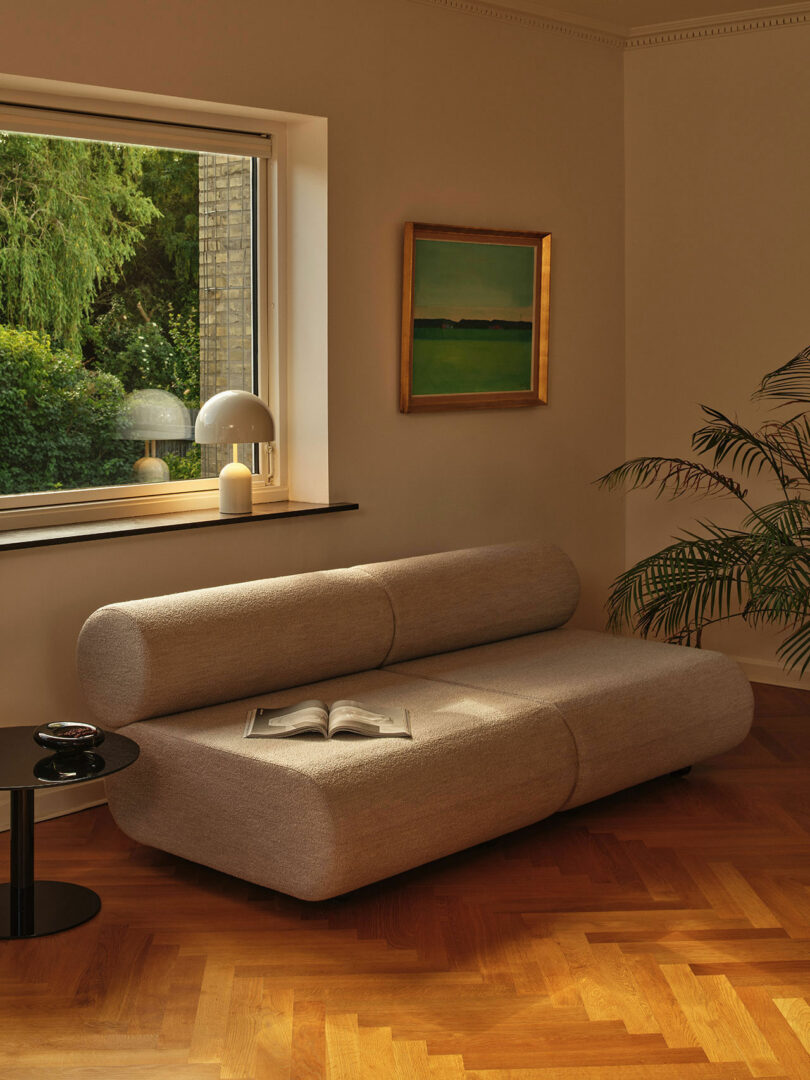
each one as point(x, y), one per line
point(760, 572)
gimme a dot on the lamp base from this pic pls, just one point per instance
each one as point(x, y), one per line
point(151, 470)
point(235, 489)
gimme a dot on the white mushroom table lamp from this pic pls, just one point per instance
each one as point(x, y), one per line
point(234, 416)
point(150, 415)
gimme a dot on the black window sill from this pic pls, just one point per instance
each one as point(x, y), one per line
point(46, 536)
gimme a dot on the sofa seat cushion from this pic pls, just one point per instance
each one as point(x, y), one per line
point(315, 817)
point(636, 709)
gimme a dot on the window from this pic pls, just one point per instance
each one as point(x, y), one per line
point(137, 278)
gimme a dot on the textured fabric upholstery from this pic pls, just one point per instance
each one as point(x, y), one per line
point(470, 597)
point(510, 724)
point(636, 709)
point(171, 653)
point(315, 818)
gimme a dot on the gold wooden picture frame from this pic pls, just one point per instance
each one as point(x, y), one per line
point(475, 312)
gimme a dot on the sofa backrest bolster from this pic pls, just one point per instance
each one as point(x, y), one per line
point(458, 599)
point(167, 654)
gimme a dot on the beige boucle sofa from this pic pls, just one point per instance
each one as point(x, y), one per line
point(513, 716)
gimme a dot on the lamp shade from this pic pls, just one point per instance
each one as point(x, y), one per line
point(154, 414)
point(234, 416)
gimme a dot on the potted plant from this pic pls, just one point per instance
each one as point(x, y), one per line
point(759, 572)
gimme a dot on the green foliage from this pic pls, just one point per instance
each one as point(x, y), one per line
point(142, 355)
point(185, 468)
point(167, 263)
point(144, 325)
point(71, 215)
point(183, 331)
point(759, 573)
point(791, 382)
point(162, 276)
point(99, 249)
point(57, 420)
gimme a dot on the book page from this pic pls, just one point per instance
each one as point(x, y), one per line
point(359, 719)
point(304, 716)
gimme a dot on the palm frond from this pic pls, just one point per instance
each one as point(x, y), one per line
point(702, 579)
point(790, 383)
point(675, 476)
point(759, 573)
point(779, 584)
point(795, 649)
point(791, 441)
point(684, 585)
point(777, 566)
point(788, 518)
point(749, 451)
point(777, 609)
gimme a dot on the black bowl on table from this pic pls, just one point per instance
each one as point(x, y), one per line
point(68, 736)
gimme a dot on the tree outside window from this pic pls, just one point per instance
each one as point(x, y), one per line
point(101, 261)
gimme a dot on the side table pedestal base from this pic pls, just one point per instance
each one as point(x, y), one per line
point(57, 905)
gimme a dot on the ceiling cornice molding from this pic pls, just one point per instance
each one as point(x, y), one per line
point(746, 22)
point(581, 29)
point(537, 16)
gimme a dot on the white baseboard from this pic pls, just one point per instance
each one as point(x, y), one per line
point(54, 802)
point(771, 672)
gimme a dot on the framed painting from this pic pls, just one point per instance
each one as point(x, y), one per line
point(474, 318)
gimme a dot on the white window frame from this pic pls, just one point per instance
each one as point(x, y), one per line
point(185, 127)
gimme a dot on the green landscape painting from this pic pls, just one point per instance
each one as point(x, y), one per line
point(472, 325)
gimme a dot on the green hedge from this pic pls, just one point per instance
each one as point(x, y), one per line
point(57, 419)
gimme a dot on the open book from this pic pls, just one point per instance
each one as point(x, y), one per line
point(316, 717)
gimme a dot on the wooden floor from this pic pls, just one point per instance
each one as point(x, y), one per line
point(661, 934)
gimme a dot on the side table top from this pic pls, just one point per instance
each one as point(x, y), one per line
point(25, 764)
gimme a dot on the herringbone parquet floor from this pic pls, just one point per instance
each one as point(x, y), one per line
point(661, 934)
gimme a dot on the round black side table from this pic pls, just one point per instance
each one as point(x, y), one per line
point(31, 908)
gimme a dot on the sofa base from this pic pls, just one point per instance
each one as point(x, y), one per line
point(315, 818)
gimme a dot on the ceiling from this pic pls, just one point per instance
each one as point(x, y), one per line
point(626, 15)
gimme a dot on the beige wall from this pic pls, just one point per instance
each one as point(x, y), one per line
point(718, 250)
point(433, 116)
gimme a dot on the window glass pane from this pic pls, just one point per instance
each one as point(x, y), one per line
point(126, 299)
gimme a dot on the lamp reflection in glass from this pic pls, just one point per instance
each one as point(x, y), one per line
point(151, 415)
point(235, 416)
